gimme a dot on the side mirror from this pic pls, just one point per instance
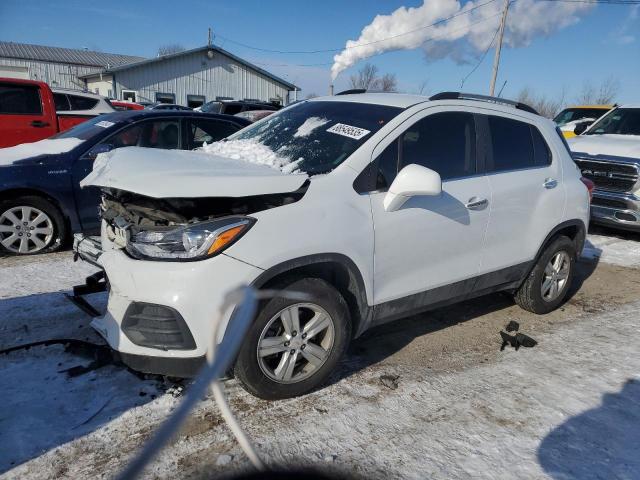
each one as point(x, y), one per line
point(411, 181)
point(582, 126)
point(98, 149)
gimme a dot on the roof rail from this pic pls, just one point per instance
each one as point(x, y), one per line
point(482, 98)
point(352, 91)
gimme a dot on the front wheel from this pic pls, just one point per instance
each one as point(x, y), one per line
point(30, 225)
point(547, 285)
point(293, 346)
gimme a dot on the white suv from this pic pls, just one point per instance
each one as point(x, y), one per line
point(377, 206)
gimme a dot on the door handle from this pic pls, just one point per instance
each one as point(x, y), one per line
point(476, 203)
point(550, 183)
point(39, 124)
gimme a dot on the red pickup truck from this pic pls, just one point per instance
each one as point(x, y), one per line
point(30, 111)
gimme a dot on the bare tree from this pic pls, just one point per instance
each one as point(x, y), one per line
point(367, 77)
point(169, 49)
point(543, 104)
point(388, 82)
point(422, 87)
point(604, 93)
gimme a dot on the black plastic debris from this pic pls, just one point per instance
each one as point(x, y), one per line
point(512, 326)
point(390, 381)
point(516, 341)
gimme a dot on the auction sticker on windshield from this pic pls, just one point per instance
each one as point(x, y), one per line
point(348, 131)
point(104, 124)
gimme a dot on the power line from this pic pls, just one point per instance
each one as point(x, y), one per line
point(329, 50)
point(484, 54)
point(431, 39)
point(598, 2)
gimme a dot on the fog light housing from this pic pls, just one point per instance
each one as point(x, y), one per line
point(157, 326)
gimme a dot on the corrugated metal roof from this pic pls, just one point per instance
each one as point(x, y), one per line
point(146, 61)
point(74, 56)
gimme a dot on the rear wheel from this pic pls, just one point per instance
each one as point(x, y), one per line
point(30, 225)
point(293, 346)
point(547, 285)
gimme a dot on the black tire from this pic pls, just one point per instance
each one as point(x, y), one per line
point(247, 368)
point(529, 296)
point(60, 233)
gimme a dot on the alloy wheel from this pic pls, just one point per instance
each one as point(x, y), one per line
point(25, 229)
point(296, 342)
point(556, 275)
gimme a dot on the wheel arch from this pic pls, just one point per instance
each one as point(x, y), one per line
point(575, 229)
point(336, 269)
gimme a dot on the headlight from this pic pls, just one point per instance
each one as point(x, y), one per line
point(190, 242)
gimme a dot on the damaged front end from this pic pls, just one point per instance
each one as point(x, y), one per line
point(182, 229)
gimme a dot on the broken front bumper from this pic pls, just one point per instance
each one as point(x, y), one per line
point(142, 292)
point(87, 248)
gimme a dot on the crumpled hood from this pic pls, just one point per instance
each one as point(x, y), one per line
point(186, 174)
point(36, 150)
point(613, 145)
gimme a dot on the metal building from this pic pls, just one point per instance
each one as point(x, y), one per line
point(59, 67)
point(188, 78)
point(192, 78)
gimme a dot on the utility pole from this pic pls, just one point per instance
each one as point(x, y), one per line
point(210, 39)
point(496, 59)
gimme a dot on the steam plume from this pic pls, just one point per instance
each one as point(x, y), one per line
point(462, 36)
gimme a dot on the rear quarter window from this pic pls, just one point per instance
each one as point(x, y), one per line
point(82, 103)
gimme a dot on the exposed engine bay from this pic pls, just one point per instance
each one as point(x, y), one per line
point(183, 229)
point(140, 212)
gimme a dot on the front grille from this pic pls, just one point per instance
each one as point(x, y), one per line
point(609, 175)
point(607, 202)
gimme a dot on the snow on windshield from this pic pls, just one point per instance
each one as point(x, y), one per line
point(50, 146)
point(309, 125)
point(252, 151)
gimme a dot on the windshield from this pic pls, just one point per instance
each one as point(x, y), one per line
point(572, 114)
point(621, 121)
point(315, 137)
point(90, 128)
point(211, 107)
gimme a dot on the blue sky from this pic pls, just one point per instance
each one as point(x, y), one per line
point(604, 43)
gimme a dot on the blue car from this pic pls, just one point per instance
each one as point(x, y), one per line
point(41, 202)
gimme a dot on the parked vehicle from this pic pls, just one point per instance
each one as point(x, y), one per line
point(74, 107)
point(580, 117)
point(233, 107)
point(167, 106)
point(608, 153)
point(418, 178)
point(30, 111)
point(122, 105)
point(40, 199)
point(254, 115)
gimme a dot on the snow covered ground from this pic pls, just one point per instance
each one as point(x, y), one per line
point(568, 408)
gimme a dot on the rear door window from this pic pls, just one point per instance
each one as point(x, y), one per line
point(163, 134)
point(444, 142)
point(20, 99)
point(511, 145)
point(204, 130)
